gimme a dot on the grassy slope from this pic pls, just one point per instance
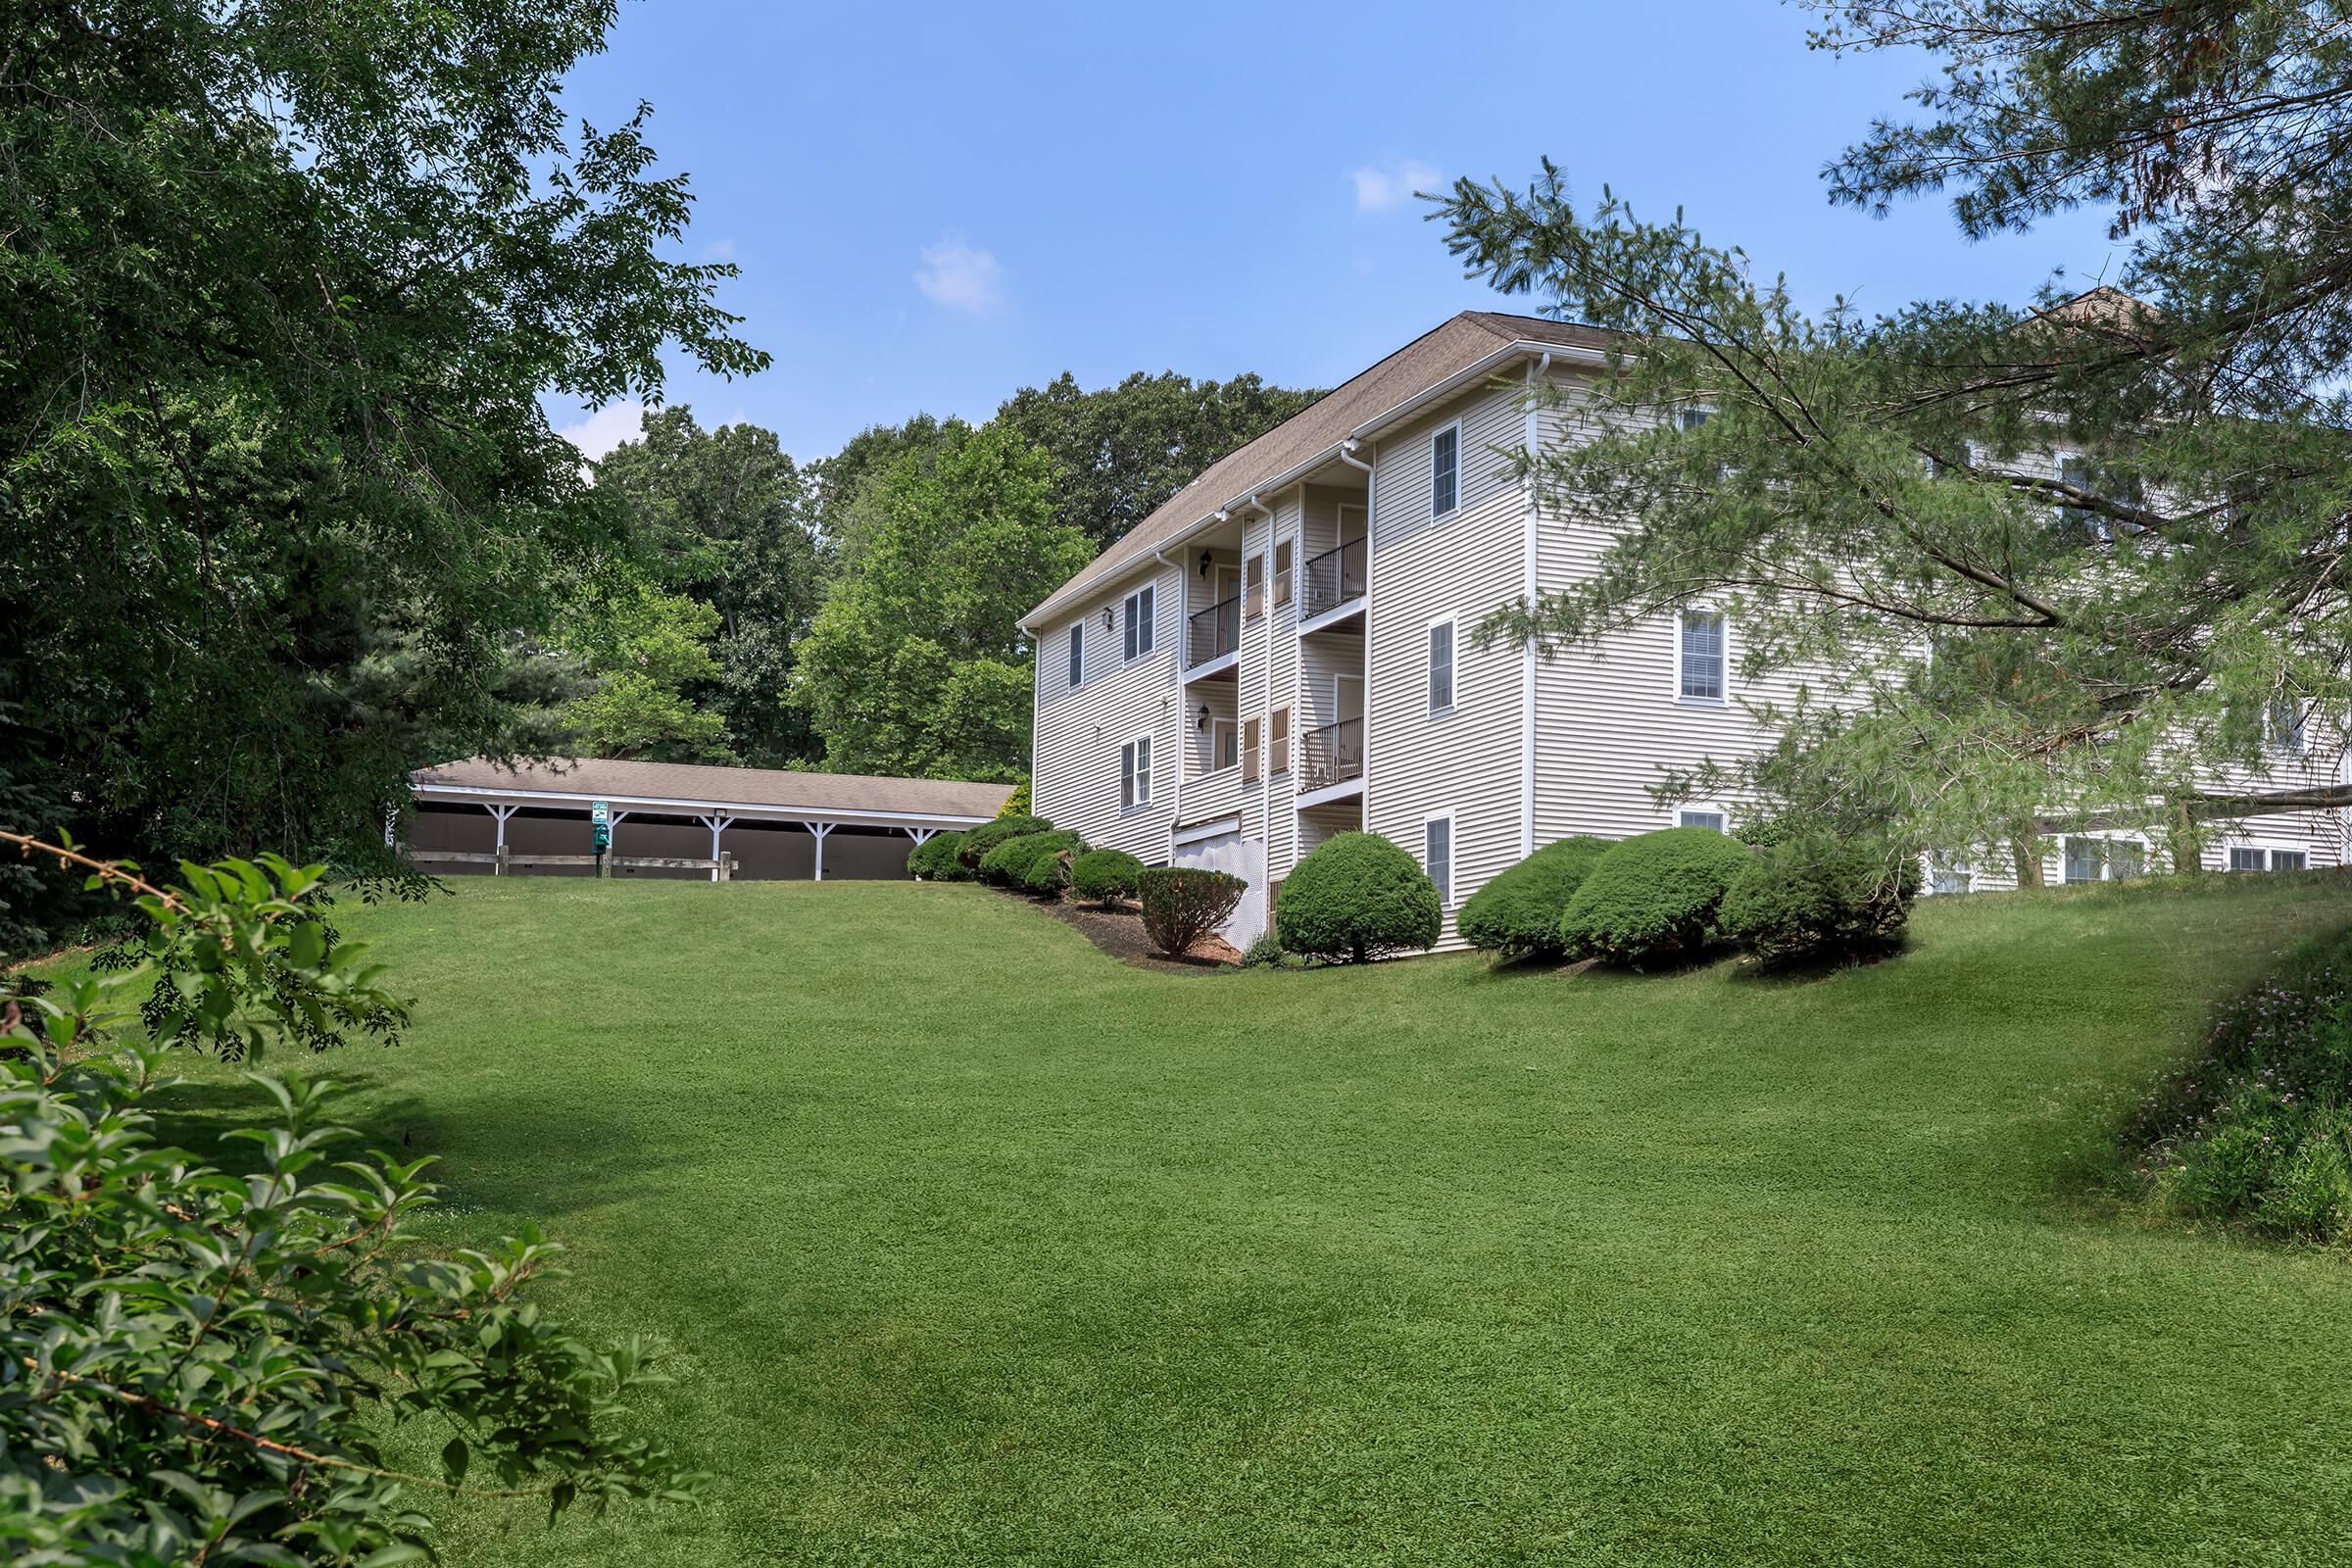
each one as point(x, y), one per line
point(978, 1248)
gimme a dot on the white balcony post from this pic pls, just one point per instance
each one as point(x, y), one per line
point(717, 824)
point(817, 831)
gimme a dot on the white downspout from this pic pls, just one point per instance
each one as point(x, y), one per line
point(1530, 581)
point(1371, 607)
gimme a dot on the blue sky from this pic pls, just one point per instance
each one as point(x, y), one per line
point(933, 206)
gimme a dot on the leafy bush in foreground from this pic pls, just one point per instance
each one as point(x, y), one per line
point(1182, 904)
point(1517, 914)
point(978, 841)
point(1815, 900)
point(2257, 1130)
point(1652, 896)
point(203, 1367)
point(1266, 951)
point(935, 859)
point(1017, 803)
point(1104, 874)
point(1356, 896)
point(1032, 862)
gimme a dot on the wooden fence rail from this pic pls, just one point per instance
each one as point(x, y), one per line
point(505, 863)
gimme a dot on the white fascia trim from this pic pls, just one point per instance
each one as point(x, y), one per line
point(477, 794)
point(1482, 367)
point(1204, 830)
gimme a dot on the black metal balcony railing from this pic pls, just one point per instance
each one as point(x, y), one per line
point(1333, 578)
point(1332, 754)
point(1215, 632)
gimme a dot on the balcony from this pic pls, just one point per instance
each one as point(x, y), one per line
point(1332, 754)
point(1213, 633)
point(1333, 578)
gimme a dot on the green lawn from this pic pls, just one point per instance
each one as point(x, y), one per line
point(977, 1248)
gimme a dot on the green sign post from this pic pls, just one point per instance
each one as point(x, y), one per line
point(600, 821)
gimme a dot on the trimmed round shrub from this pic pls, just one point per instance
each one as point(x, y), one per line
point(934, 859)
point(1104, 874)
point(978, 841)
point(1182, 904)
point(1653, 896)
point(1356, 898)
point(1517, 914)
point(1814, 900)
point(1016, 862)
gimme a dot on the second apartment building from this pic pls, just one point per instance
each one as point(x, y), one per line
point(1287, 650)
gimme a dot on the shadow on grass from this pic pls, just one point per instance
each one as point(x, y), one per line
point(601, 1156)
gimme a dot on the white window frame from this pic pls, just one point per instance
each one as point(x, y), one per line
point(1445, 899)
point(2103, 528)
point(1454, 664)
point(1454, 429)
point(2302, 860)
point(1135, 767)
point(2284, 740)
point(2260, 858)
point(1721, 824)
point(1077, 655)
point(2106, 843)
point(1142, 631)
point(1943, 868)
point(1723, 635)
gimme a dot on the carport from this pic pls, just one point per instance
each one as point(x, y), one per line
point(678, 819)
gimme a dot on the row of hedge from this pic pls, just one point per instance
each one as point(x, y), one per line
point(1658, 896)
point(1028, 853)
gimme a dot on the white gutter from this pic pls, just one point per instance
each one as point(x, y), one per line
point(1486, 366)
point(670, 805)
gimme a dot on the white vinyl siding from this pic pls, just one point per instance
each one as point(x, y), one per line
point(1080, 731)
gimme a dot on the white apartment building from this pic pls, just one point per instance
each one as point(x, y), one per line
point(1286, 651)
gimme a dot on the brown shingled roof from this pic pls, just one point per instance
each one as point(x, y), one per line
point(1426, 361)
point(602, 779)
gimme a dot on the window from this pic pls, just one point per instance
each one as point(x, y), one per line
point(2085, 860)
point(1702, 679)
point(1692, 419)
point(1278, 742)
point(1253, 587)
point(2283, 726)
point(2242, 860)
point(1224, 745)
point(2089, 859)
point(1251, 729)
point(2290, 860)
point(1441, 666)
point(1140, 608)
point(2251, 859)
point(1947, 876)
point(1135, 773)
point(1078, 653)
point(2076, 470)
point(1437, 856)
point(1282, 573)
point(1445, 470)
point(1691, 818)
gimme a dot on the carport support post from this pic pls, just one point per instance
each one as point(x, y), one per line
point(604, 862)
point(498, 846)
point(817, 831)
point(717, 825)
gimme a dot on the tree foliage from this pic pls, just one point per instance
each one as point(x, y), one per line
point(1994, 638)
point(1125, 449)
point(725, 518)
point(647, 649)
point(916, 665)
point(203, 1366)
point(282, 516)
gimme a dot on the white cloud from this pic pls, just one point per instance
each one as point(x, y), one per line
point(962, 276)
point(719, 251)
point(1383, 189)
point(607, 427)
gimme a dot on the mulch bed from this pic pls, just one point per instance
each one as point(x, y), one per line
point(1120, 933)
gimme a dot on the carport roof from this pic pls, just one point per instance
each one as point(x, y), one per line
point(688, 784)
